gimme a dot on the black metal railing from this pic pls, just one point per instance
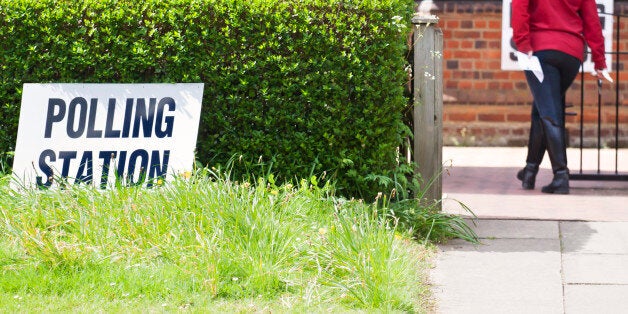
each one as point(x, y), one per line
point(613, 175)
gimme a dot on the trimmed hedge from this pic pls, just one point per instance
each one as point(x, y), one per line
point(308, 86)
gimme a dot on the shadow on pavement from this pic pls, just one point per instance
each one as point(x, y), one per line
point(510, 236)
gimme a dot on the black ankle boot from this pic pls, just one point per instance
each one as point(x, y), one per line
point(527, 175)
point(559, 185)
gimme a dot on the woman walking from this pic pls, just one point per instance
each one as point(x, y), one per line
point(556, 32)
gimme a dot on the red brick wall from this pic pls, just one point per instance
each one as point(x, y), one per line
point(487, 106)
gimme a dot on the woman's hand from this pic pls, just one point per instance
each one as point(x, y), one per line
point(603, 74)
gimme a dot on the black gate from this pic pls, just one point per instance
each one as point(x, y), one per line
point(599, 174)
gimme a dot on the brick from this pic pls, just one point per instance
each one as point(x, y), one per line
point(452, 44)
point(519, 132)
point(480, 64)
point(452, 64)
point(495, 24)
point(461, 116)
point(495, 44)
point(467, 44)
point(466, 24)
point(518, 75)
point(494, 65)
point(588, 118)
point(466, 34)
point(448, 54)
point(465, 85)
point(502, 75)
point(518, 117)
point(491, 54)
point(492, 34)
point(466, 54)
point(481, 24)
point(480, 44)
point(479, 85)
point(466, 65)
point(493, 85)
point(575, 86)
point(452, 24)
point(572, 119)
point(491, 117)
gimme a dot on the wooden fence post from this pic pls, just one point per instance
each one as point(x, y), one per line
point(428, 103)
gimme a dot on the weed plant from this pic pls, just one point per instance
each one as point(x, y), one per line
point(206, 243)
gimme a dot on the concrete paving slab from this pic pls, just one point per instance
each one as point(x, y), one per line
point(595, 237)
point(503, 275)
point(543, 207)
point(609, 269)
point(595, 299)
point(502, 246)
point(514, 229)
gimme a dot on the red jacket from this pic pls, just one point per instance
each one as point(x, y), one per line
point(562, 25)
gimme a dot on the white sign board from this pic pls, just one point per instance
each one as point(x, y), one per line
point(103, 134)
point(509, 60)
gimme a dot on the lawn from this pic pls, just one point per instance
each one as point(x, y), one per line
point(205, 243)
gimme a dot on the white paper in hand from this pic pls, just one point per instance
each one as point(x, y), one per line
point(604, 75)
point(607, 76)
point(528, 63)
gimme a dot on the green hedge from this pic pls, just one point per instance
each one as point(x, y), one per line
point(307, 86)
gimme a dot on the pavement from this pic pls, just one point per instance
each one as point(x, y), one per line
point(539, 253)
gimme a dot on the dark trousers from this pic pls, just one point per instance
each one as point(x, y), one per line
point(547, 127)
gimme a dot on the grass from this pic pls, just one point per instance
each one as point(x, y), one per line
point(204, 243)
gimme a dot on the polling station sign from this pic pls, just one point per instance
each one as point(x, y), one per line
point(509, 56)
point(105, 134)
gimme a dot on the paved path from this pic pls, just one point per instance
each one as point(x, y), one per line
point(484, 179)
point(539, 253)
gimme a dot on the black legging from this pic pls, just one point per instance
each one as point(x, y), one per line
point(559, 70)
